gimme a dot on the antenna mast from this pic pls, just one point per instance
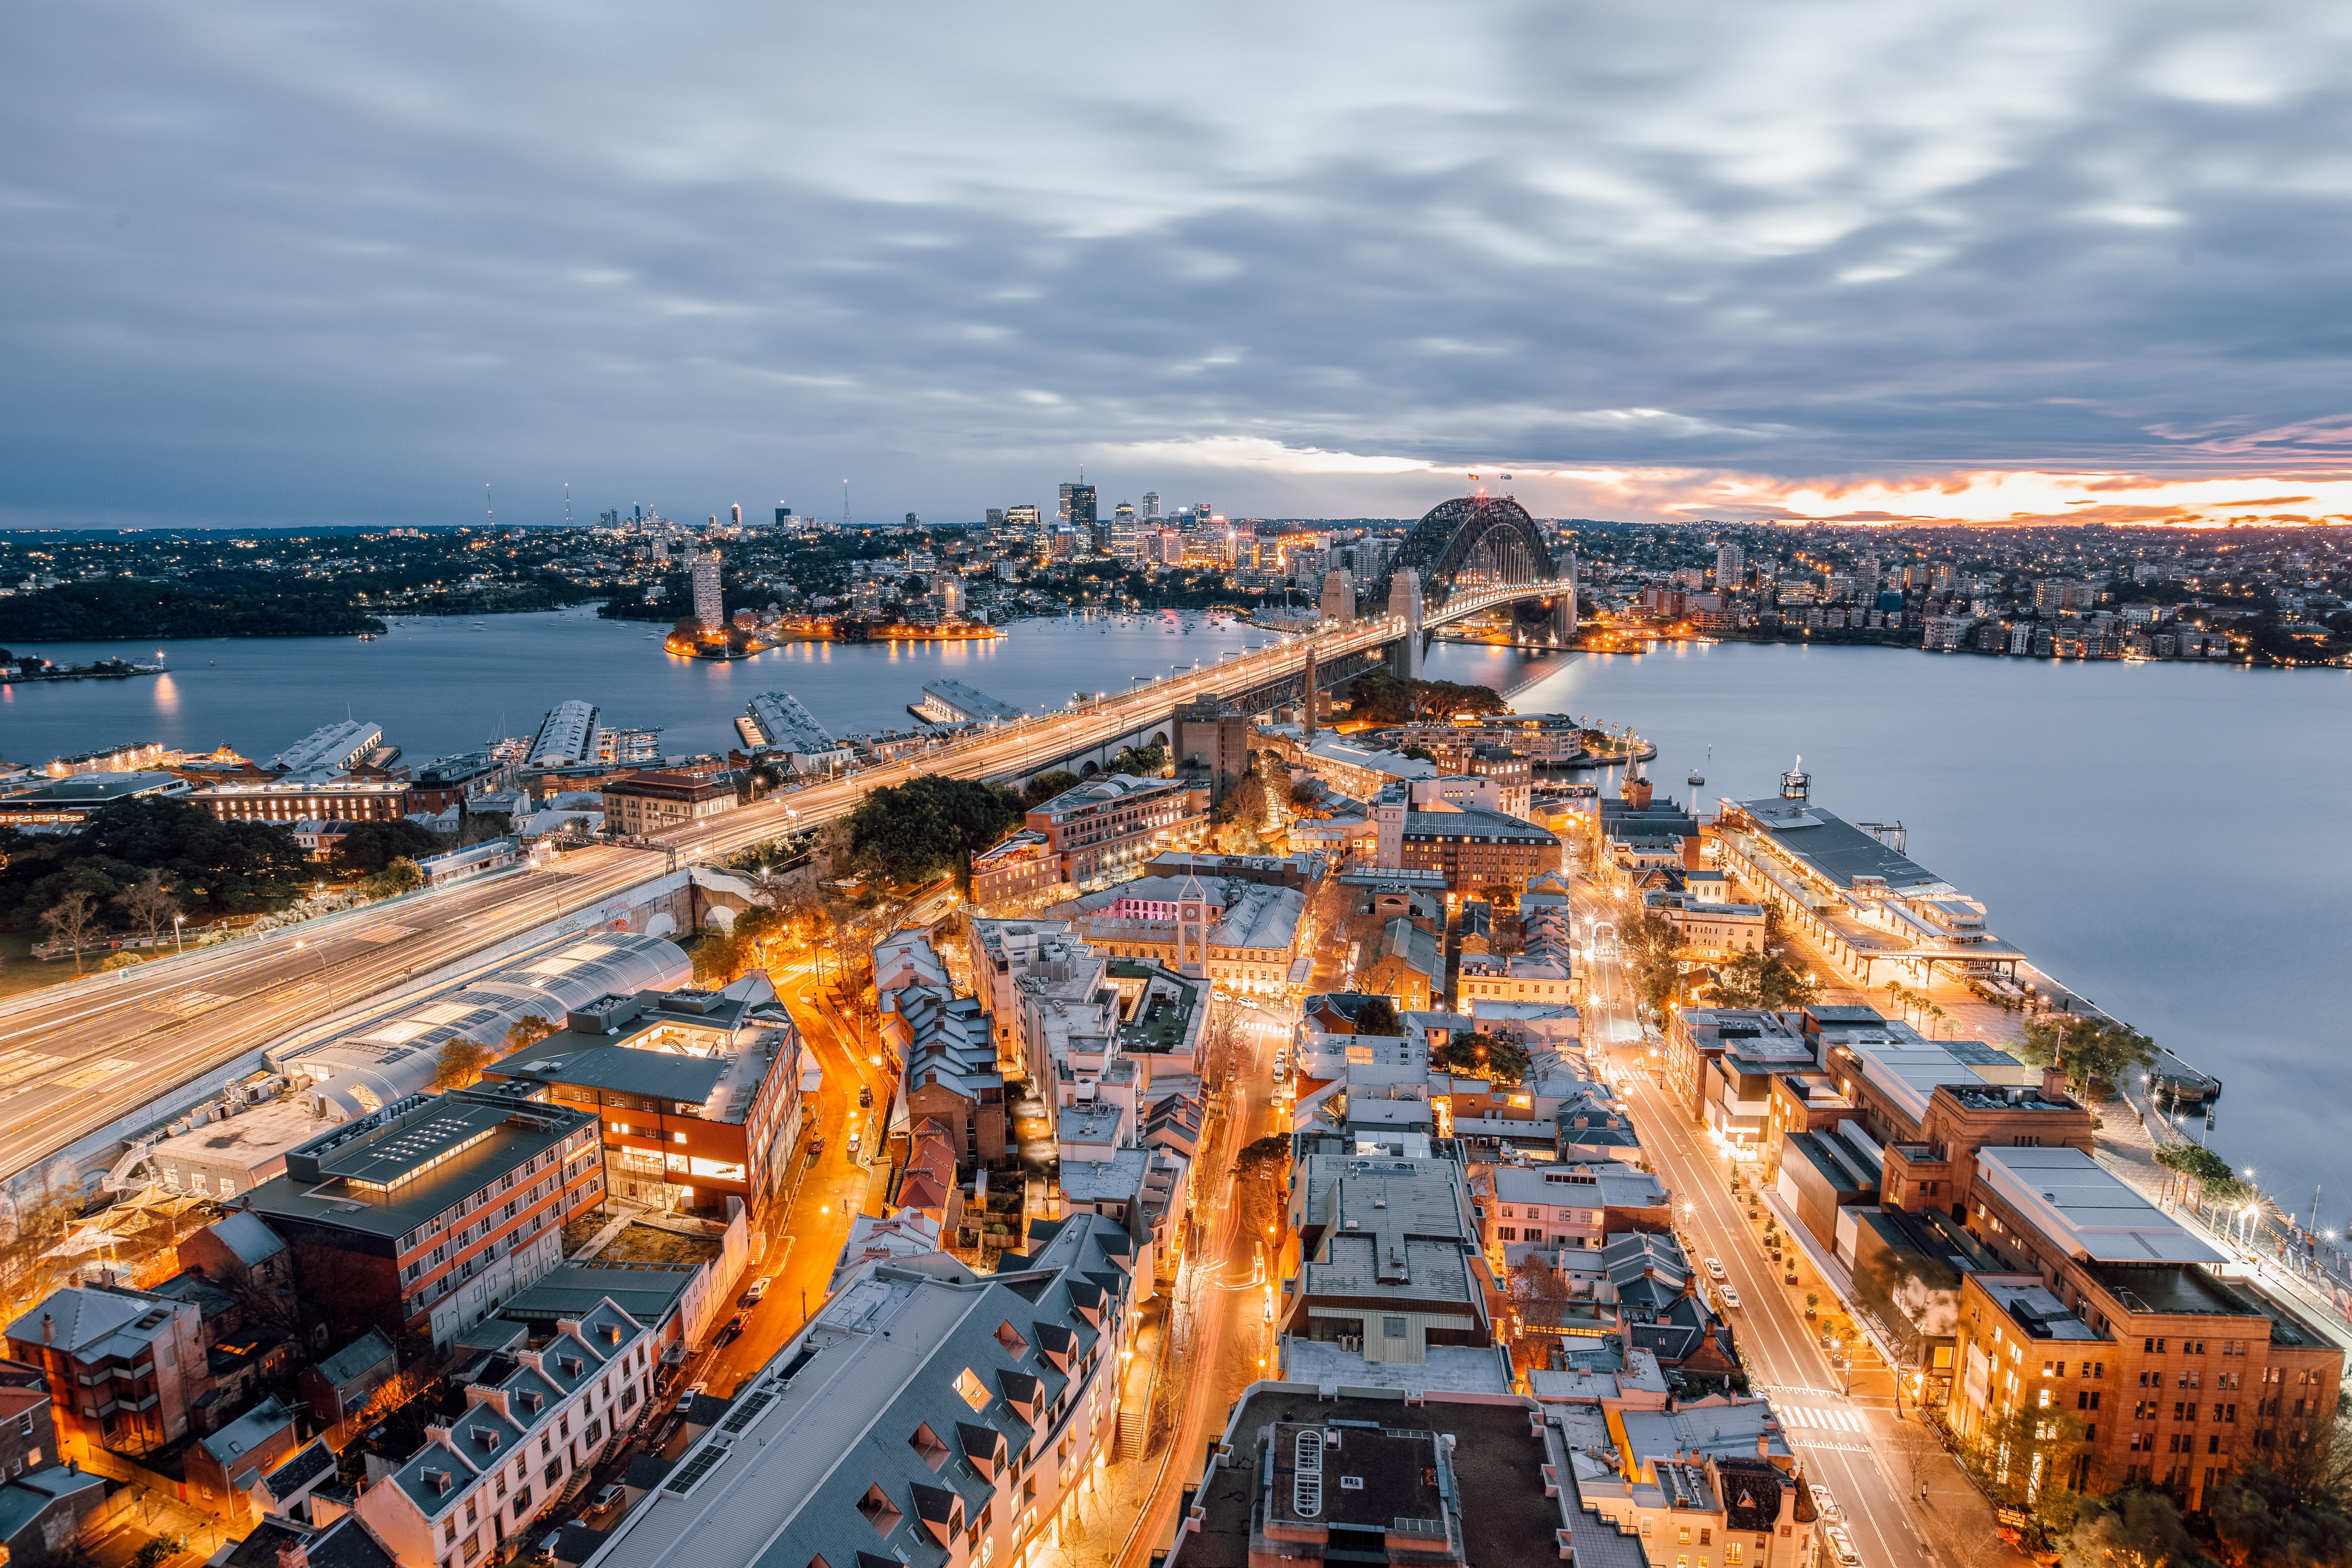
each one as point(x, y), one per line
point(487, 510)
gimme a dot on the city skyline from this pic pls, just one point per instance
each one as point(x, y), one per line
point(1951, 264)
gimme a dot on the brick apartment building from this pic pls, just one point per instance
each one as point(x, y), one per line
point(645, 803)
point(287, 802)
point(2164, 1370)
point(697, 1092)
point(421, 1218)
point(1021, 868)
point(131, 1364)
point(1114, 821)
point(2068, 1321)
point(1477, 849)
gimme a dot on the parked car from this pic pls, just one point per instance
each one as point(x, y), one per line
point(1842, 1549)
point(733, 1331)
point(1715, 1269)
point(865, 1097)
point(609, 1498)
point(759, 1288)
point(1731, 1298)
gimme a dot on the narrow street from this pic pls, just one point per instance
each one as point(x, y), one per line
point(804, 1240)
point(1873, 1460)
point(1222, 1338)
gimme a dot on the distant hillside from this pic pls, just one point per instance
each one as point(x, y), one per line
point(120, 611)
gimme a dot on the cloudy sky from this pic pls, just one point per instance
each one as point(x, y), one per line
point(311, 263)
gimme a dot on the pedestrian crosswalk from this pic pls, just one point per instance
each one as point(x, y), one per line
point(1812, 1415)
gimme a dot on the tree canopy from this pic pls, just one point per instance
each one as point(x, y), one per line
point(1386, 700)
point(210, 865)
point(1656, 946)
point(1045, 786)
point(2201, 1165)
point(1496, 1056)
point(1378, 1015)
point(2086, 1050)
point(1770, 977)
point(369, 847)
point(919, 829)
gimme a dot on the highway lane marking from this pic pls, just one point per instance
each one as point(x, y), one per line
point(18, 1066)
point(93, 1075)
point(387, 932)
point(188, 1003)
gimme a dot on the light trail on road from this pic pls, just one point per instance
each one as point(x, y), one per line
point(1775, 1345)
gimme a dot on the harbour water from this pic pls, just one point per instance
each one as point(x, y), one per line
point(439, 685)
point(2156, 835)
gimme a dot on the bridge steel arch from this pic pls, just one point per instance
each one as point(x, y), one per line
point(1469, 531)
point(1481, 544)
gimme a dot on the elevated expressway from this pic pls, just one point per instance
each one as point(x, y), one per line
point(78, 1059)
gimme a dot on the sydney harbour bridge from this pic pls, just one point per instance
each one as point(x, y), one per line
point(1467, 556)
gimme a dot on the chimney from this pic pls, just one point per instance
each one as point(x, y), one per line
point(293, 1555)
point(1763, 1446)
point(2054, 1084)
point(48, 1329)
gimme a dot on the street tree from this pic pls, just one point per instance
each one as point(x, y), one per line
point(1250, 801)
point(150, 903)
point(2216, 1181)
point(2138, 1527)
point(459, 1063)
point(1769, 977)
point(1378, 1015)
point(1656, 944)
point(2292, 1505)
point(400, 875)
point(368, 847)
point(1540, 1304)
point(2087, 1050)
point(71, 919)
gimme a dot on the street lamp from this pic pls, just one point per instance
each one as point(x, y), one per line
point(176, 937)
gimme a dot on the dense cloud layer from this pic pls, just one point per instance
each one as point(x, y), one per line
point(302, 263)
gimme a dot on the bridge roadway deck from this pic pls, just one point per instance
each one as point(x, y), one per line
point(77, 1058)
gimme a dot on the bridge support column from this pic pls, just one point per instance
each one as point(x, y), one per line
point(1404, 604)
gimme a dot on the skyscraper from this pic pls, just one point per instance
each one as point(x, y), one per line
point(1731, 567)
point(1078, 507)
point(1123, 532)
point(1150, 506)
point(783, 515)
point(735, 513)
point(709, 601)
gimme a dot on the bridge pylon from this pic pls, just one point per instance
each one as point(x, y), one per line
point(1404, 605)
